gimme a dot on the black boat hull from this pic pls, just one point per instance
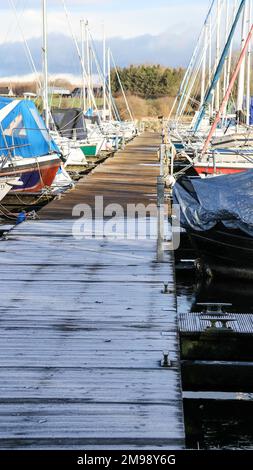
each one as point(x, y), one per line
point(224, 252)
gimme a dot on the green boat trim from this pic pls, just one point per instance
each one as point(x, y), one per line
point(89, 150)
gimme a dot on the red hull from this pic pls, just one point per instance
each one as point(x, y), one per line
point(47, 176)
point(219, 171)
point(35, 176)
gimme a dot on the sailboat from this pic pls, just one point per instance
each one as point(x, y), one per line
point(69, 147)
point(227, 160)
point(27, 150)
point(211, 149)
point(109, 123)
point(77, 132)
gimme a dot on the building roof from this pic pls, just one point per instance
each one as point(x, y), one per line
point(5, 90)
point(58, 91)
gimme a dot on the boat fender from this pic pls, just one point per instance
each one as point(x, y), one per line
point(21, 217)
point(170, 181)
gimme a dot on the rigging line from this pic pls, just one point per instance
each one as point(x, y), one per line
point(100, 72)
point(12, 26)
point(73, 120)
point(122, 89)
point(9, 155)
point(27, 49)
point(182, 88)
point(78, 51)
point(192, 77)
point(100, 76)
point(192, 81)
point(219, 68)
point(213, 28)
point(11, 216)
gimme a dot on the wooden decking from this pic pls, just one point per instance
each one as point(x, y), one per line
point(83, 325)
point(128, 177)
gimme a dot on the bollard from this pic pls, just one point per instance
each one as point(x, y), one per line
point(165, 362)
point(165, 289)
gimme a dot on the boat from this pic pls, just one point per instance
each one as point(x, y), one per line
point(6, 184)
point(217, 141)
point(223, 161)
point(62, 181)
point(217, 214)
point(71, 126)
point(27, 152)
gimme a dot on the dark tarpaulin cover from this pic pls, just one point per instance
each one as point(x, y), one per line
point(70, 123)
point(223, 199)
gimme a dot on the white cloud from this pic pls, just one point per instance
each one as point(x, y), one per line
point(152, 19)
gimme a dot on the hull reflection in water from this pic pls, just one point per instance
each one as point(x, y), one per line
point(209, 414)
point(219, 424)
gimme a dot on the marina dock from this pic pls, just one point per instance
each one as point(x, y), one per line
point(85, 325)
point(127, 177)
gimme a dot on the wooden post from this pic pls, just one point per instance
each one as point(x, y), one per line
point(117, 141)
point(160, 207)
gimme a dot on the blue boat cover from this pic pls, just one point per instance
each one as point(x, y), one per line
point(224, 199)
point(22, 130)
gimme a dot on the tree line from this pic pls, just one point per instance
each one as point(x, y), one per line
point(148, 81)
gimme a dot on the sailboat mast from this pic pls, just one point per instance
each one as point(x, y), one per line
point(218, 71)
point(104, 73)
point(241, 83)
point(45, 65)
point(183, 87)
point(226, 61)
point(231, 49)
point(217, 95)
point(109, 82)
point(83, 57)
point(203, 79)
point(249, 66)
point(229, 90)
point(210, 63)
point(87, 40)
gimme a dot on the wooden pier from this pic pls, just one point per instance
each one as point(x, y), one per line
point(128, 177)
point(84, 324)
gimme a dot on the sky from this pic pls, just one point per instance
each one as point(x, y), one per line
point(138, 31)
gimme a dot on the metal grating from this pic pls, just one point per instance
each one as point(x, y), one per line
point(199, 322)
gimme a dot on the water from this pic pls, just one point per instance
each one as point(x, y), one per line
point(216, 420)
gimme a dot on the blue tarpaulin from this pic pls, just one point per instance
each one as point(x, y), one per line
point(224, 199)
point(89, 112)
point(251, 112)
point(22, 130)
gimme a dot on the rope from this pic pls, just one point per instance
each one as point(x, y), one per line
point(27, 49)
